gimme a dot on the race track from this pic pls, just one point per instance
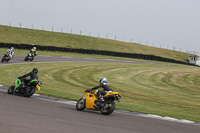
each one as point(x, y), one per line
point(35, 115)
point(20, 59)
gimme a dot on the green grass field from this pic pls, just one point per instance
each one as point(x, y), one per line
point(47, 38)
point(168, 90)
point(163, 90)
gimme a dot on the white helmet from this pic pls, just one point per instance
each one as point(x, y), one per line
point(103, 80)
point(12, 49)
point(34, 48)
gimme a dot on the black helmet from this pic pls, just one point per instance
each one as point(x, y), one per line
point(35, 70)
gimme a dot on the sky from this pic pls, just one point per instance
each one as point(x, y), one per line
point(170, 24)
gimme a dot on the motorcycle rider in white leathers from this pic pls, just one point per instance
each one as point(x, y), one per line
point(10, 52)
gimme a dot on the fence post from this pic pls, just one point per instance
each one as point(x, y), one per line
point(20, 25)
point(52, 28)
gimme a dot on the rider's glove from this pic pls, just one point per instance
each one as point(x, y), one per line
point(88, 90)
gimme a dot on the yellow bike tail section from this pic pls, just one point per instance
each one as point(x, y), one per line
point(111, 93)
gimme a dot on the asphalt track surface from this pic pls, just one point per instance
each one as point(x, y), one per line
point(34, 115)
point(20, 59)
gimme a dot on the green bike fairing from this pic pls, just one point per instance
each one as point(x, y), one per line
point(18, 83)
point(32, 81)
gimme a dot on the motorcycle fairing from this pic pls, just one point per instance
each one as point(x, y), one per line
point(111, 93)
point(17, 84)
point(90, 98)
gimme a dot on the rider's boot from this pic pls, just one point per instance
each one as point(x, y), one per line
point(100, 98)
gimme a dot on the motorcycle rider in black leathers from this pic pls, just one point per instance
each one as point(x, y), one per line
point(33, 76)
point(105, 86)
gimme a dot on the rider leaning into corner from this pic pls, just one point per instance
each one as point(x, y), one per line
point(10, 52)
point(33, 76)
point(33, 51)
point(105, 86)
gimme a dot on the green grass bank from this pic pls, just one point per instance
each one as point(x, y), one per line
point(172, 91)
point(47, 38)
point(166, 90)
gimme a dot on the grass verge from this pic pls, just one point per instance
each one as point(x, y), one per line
point(47, 38)
point(172, 91)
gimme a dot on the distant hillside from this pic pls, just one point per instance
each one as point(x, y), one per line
point(47, 38)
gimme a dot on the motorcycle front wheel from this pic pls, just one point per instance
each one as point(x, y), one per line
point(29, 93)
point(80, 105)
point(3, 59)
point(26, 58)
point(107, 108)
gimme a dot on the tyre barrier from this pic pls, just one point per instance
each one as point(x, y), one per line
point(89, 51)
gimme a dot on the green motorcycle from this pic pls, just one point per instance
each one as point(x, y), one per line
point(30, 56)
point(27, 90)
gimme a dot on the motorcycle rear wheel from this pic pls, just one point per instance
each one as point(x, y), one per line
point(10, 90)
point(80, 105)
point(108, 108)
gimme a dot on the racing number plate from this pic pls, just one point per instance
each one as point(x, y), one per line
point(38, 87)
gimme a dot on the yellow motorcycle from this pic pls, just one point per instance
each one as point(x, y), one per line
point(91, 102)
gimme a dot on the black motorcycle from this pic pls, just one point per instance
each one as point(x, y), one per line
point(6, 58)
